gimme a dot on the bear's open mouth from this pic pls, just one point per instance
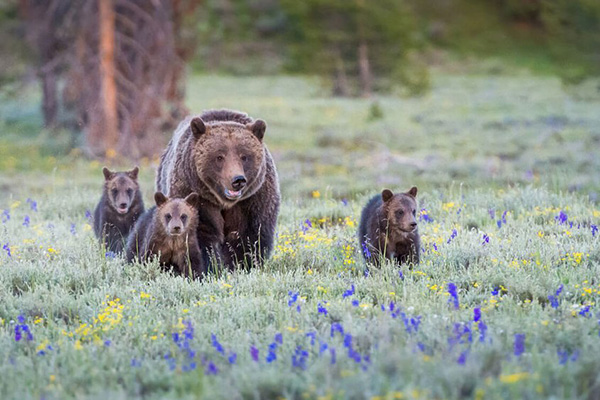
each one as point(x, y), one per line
point(232, 194)
point(122, 210)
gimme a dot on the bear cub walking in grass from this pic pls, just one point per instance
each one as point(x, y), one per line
point(168, 230)
point(388, 228)
point(120, 206)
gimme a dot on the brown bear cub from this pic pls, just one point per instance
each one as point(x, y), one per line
point(120, 206)
point(168, 230)
point(388, 228)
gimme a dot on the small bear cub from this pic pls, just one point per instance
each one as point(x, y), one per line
point(168, 230)
point(120, 206)
point(388, 228)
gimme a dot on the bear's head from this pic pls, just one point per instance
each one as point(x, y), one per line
point(177, 216)
point(121, 188)
point(229, 158)
point(400, 210)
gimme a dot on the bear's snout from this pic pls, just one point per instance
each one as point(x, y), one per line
point(238, 182)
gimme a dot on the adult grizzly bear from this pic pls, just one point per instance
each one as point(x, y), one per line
point(221, 156)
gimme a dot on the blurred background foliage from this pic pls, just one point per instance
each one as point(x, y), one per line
point(115, 90)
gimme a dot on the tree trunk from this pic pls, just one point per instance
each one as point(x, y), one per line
point(109, 131)
point(49, 98)
point(364, 68)
point(340, 80)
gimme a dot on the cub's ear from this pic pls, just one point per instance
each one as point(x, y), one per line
point(133, 174)
point(386, 194)
point(258, 128)
point(198, 127)
point(412, 192)
point(108, 174)
point(160, 198)
point(192, 199)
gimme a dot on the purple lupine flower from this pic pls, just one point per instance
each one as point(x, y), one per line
point(107, 343)
point(424, 216)
point(271, 356)
point(6, 248)
point(519, 346)
point(88, 215)
point(563, 356)
point(462, 358)
point(345, 201)
point(278, 338)
point(495, 291)
point(232, 358)
point(215, 343)
point(453, 295)
point(349, 292)
point(312, 336)
point(585, 312)
point(561, 218)
point(299, 358)
point(110, 255)
point(482, 331)
point(400, 275)
point(476, 314)
point(211, 369)
point(332, 353)
point(453, 235)
point(73, 230)
point(366, 250)
point(554, 298)
point(492, 213)
point(5, 216)
point(322, 347)
point(321, 309)
point(486, 239)
point(415, 322)
point(355, 303)
point(575, 356)
point(32, 204)
point(336, 327)
point(594, 229)
point(254, 353)
point(26, 221)
point(348, 340)
point(293, 298)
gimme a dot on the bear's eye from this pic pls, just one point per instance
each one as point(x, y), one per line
point(244, 158)
point(129, 192)
point(168, 217)
point(115, 192)
point(399, 213)
point(414, 213)
point(183, 218)
point(220, 158)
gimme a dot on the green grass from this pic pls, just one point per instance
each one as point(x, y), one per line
point(476, 147)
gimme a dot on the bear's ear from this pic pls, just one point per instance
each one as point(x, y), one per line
point(192, 199)
point(198, 127)
point(258, 128)
point(160, 198)
point(133, 174)
point(386, 194)
point(412, 192)
point(108, 174)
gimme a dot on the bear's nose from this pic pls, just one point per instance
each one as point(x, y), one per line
point(176, 229)
point(123, 205)
point(413, 225)
point(238, 182)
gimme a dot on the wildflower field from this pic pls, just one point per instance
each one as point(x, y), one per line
point(502, 306)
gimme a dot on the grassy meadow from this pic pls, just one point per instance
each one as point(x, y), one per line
point(502, 306)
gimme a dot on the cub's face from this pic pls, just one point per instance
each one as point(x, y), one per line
point(121, 188)
point(176, 215)
point(401, 210)
point(229, 157)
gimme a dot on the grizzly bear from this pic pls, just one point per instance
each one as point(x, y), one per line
point(221, 156)
point(388, 228)
point(168, 230)
point(120, 206)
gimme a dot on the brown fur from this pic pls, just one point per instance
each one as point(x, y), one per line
point(207, 155)
point(388, 228)
point(120, 206)
point(169, 232)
